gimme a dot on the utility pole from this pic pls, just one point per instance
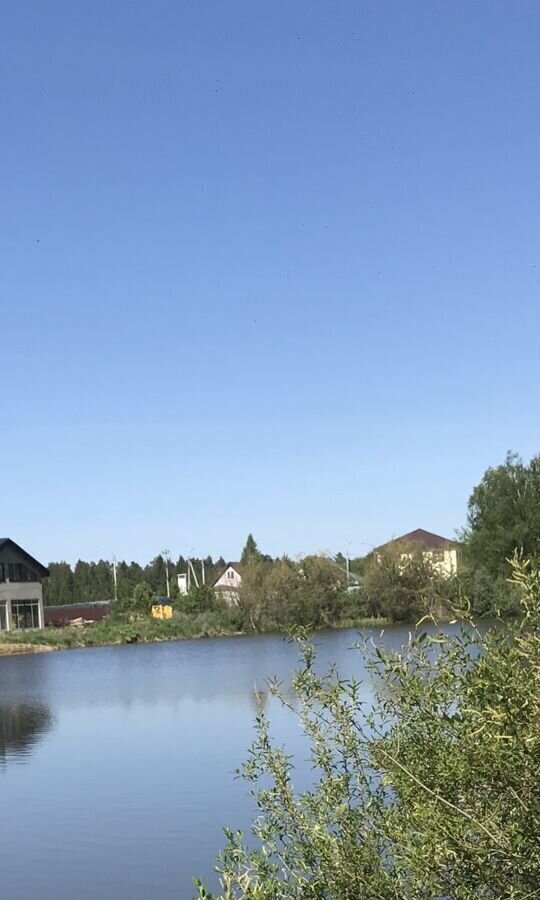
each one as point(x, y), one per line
point(114, 579)
point(165, 554)
point(193, 572)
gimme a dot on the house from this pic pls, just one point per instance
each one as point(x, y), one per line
point(443, 553)
point(227, 584)
point(21, 595)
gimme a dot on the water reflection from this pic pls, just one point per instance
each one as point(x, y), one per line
point(22, 726)
point(258, 701)
point(138, 749)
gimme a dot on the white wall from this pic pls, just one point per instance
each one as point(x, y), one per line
point(229, 579)
point(227, 586)
point(448, 564)
point(445, 561)
point(21, 590)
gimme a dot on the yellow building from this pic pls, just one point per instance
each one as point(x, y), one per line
point(443, 553)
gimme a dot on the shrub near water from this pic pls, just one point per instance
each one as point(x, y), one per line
point(435, 793)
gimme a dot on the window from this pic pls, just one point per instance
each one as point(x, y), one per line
point(16, 572)
point(3, 616)
point(25, 613)
point(230, 574)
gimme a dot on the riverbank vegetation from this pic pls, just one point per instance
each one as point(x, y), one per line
point(274, 597)
point(433, 792)
point(121, 628)
point(143, 629)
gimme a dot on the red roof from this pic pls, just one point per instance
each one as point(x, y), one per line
point(419, 536)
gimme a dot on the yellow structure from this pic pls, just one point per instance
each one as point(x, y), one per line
point(162, 611)
point(443, 553)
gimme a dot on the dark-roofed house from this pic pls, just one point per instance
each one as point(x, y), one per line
point(443, 553)
point(228, 582)
point(21, 594)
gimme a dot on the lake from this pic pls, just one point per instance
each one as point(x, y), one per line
point(117, 763)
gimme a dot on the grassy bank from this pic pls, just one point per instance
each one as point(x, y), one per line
point(144, 629)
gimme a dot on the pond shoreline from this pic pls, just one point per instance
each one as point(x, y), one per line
point(105, 634)
point(8, 649)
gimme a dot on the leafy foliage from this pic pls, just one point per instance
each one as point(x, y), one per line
point(142, 595)
point(433, 793)
point(504, 515)
point(311, 592)
point(199, 599)
point(402, 584)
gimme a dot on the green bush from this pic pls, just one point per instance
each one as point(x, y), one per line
point(487, 596)
point(198, 599)
point(286, 594)
point(402, 585)
point(433, 793)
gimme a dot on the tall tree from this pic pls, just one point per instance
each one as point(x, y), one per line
point(59, 587)
point(128, 576)
point(83, 581)
point(155, 575)
point(504, 515)
point(250, 553)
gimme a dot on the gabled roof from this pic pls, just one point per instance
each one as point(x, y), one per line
point(420, 536)
point(238, 568)
point(43, 571)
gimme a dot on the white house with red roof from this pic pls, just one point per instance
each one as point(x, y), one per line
point(443, 553)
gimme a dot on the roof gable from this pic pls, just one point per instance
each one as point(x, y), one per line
point(39, 567)
point(238, 568)
point(422, 537)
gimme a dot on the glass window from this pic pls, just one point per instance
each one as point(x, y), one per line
point(3, 617)
point(25, 613)
point(16, 572)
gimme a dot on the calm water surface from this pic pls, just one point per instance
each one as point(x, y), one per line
point(117, 763)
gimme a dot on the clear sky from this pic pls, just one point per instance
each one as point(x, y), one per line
point(266, 266)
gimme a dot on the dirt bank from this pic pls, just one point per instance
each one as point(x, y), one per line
point(11, 649)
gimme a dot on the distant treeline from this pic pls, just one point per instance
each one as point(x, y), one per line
point(94, 580)
point(88, 581)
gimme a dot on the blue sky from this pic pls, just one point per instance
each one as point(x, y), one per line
point(266, 267)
